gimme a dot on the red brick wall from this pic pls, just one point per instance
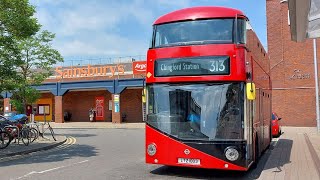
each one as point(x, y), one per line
point(292, 70)
point(131, 104)
point(58, 113)
point(78, 104)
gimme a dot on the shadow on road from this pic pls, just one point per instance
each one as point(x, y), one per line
point(282, 148)
point(280, 155)
point(195, 173)
point(54, 155)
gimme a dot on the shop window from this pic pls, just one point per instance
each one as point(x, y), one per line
point(43, 109)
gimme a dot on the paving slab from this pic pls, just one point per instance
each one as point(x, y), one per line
point(295, 155)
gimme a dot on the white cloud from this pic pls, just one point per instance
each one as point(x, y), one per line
point(103, 44)
point(175, 3)
point(91, 28)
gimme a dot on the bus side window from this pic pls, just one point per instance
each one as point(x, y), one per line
point(158, 39)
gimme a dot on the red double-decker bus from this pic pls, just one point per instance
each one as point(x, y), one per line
point(208, 91)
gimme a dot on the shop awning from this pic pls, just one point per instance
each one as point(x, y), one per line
point(304, 19)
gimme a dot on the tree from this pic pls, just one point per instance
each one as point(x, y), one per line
point(37, 58)
point(16, 22)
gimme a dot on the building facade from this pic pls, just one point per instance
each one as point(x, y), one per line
point(292, 69)
point(112, 91)
point(115, 90)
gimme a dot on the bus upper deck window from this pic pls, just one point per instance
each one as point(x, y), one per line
point(241, 31)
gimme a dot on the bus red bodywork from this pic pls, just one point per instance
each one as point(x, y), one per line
point(243, 61)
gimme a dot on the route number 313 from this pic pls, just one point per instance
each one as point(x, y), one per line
point(217, 66)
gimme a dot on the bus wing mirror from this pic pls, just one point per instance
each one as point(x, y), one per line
point(251, 91)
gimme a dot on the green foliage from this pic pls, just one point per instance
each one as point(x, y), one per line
point(26, 56)
point(16, 19)
point(18, 105)
point(36, 60)
point(22, 96)
point(16, 22)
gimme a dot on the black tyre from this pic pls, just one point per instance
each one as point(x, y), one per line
point(5, 139)
point(280, 132)
point(25, 136)
point(34, 134)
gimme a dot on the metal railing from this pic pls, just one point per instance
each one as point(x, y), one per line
point(83, 61)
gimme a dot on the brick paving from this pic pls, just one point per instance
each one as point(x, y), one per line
point(292, 157)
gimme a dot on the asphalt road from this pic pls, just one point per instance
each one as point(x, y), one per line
point(106, 154)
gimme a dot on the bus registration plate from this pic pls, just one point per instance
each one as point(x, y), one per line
point(189, 161)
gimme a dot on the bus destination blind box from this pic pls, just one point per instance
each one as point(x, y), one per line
point(195, 66)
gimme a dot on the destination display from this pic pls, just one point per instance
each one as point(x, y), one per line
point(195, 66)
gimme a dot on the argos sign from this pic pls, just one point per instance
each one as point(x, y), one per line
point(139, 67)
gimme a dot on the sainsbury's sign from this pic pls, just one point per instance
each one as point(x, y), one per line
point(139, 67)
point(89, 71)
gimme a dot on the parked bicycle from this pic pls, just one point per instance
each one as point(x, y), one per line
point(5, 139)
point(17, 129)
point(18, 132)
point(42, 128)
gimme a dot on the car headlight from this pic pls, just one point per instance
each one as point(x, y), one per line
point(151, 149)
point(231, 154)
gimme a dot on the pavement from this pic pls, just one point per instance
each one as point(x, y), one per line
point(295, 155)
point(40, 144)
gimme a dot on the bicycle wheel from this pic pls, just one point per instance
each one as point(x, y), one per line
point(5, 139)
point(34, 134)
point(52, 133)
point(25, 136)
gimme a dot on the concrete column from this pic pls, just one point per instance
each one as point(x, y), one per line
point(116, 113)
point(58, 110)
point(6, 105)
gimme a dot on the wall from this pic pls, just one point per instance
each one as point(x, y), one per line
point(46, 98)
point(78, 104)
point(292, 70)
point(131, 105)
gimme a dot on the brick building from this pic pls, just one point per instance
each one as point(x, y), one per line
point(292, 75)
point(114, 91)
point(292, 69)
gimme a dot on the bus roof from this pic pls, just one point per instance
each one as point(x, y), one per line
point(198, 13)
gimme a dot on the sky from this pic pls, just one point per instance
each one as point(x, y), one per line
point(119, 28)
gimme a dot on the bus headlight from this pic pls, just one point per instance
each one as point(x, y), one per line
point(231, 153)
point(151, 149)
